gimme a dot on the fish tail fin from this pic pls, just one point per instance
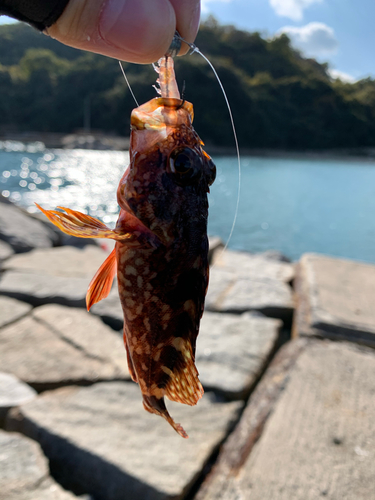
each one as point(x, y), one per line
point(101, 284)
point(152, 404)
point(82, 225)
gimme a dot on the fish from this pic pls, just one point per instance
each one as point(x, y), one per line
point(161, 250)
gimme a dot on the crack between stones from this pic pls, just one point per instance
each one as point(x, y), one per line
point(191, 491)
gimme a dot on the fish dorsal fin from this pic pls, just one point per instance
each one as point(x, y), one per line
point(101, 284)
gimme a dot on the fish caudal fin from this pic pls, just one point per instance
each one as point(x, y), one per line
point(157, 405)
point(82, 225)
point(101, 284)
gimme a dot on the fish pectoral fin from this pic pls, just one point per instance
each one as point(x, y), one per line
point(84, 226)
point(101, 284)
point(152, 404)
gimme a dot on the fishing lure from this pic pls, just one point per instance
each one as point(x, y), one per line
point(161, 251)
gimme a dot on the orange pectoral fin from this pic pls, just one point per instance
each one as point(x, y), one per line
point(101, 284)
point(82, 225)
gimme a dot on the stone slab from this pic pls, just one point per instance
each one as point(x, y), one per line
point(11, 310)
point(228, 292)
point(38, 289)
point(110, 310)
point(87, 333)
point(233, 350)
point(6, 251)
point(104, 428)
point(215, 244)
point(308, 431)
point(65, 261)
point(335, 299)
point(24, 473)
point(23, 233)
point(254, 266)
point(13, 392)
point(45, 356)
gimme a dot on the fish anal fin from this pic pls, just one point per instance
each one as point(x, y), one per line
point(101, 284)
point(83, 225)
point(156, 405)
point(183, 384)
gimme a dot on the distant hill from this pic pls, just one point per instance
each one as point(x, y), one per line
point(279, 99)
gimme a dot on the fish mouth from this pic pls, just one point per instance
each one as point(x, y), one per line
point(155, 120)
point(162, 112)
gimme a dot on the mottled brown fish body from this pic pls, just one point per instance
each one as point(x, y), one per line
point(162, 288)
point(161, 252)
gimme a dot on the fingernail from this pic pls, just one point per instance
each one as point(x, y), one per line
point(137, 26)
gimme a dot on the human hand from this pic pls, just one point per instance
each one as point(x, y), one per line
point(138, 31)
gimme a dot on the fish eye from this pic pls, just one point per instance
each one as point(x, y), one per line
point(186, 165)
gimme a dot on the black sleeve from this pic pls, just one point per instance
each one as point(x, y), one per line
point(39, 13)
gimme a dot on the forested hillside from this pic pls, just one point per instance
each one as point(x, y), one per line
point(279, 99)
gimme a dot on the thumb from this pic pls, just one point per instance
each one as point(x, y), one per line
point(137, 31)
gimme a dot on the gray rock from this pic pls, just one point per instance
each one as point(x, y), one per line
point(6, 251)
point(110, 310)
point(11, 310)
point(13, 392)
point(244, 282)
point(87, 333)
point(335, 299)
point(313, 438)
point(215, 244)
point(24, 471)
point(54, 275)
point(46, 356)
point(38, 289)
point(253, 266)
point(272, 298)
point(274, 255)
point(105, 429)
point(64, 261)
point(230, 293)
point(232, 351)
point(21, 232)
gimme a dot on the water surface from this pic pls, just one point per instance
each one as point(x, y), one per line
point(291, 205)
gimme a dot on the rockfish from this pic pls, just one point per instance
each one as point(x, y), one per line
point(161, 251)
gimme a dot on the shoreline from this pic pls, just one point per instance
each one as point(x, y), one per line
point(105, 142)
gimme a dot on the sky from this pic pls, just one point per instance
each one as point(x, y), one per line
point(340, 32)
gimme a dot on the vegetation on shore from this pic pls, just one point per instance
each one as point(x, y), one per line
point(279, 99)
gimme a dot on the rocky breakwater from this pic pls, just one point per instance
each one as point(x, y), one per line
point(284, 416)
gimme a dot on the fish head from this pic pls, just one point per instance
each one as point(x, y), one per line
point(169, 173)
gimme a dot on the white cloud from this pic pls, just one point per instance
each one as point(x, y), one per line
point(313, 39)
point(344, 77)
point(205, 7)
point(292, 8)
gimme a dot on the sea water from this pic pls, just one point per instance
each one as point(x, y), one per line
point(291, 205)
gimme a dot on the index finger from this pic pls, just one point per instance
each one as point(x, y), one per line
point(187, 20)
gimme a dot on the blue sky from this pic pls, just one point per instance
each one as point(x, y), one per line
point(340, 32)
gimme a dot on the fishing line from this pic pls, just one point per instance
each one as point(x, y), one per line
point(128, 84)
point(194, 48)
